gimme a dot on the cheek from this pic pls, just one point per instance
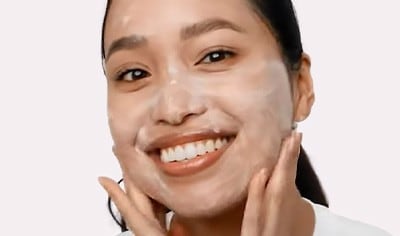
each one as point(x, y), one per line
point(121, 127)
point(126, 115)
point(135, 165)
point(259, 97)
point(125, 125)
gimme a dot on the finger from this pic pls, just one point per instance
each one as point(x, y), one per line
point(136, 221)
point(286, 167)
point(160, 211)
point(252, 214)
point(139, 199)
point(147, 206)
point(282, 188)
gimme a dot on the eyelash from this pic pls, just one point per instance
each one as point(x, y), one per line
point(228, 54)
point(216, 54)
point(121, 75)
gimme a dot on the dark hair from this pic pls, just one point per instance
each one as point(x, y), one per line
point(280, 17)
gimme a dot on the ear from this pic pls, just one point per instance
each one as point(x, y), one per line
point(303, 91)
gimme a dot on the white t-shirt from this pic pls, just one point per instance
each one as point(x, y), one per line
point(329, 224)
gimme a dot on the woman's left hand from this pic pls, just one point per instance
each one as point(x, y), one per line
point(275, 207)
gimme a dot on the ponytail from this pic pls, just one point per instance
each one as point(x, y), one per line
point(307, 181)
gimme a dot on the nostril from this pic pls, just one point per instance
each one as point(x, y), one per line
point(162, 122)
point(177, 119)
point(187, 117)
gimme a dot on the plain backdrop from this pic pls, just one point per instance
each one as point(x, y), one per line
point(54, 139)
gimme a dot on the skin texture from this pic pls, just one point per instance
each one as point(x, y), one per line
point(248, 93)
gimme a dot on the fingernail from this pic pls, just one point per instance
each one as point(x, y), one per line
point(101, 180)
point(297, 138)
point(300, 136)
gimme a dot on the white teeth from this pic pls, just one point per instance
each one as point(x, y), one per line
point(218, 144)
point(164, 155)
point(224, 141)
point(201, 149)
point(171, 155)
point(179, 153)
point(191, 150)
point(210, 147)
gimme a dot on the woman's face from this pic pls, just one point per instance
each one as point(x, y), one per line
point(199, 99)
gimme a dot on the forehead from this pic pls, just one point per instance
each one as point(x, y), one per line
point(161, 17)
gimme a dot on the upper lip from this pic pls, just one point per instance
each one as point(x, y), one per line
point(174, 139)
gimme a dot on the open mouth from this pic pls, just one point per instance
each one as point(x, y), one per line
point(191, 156)
point(192, 150)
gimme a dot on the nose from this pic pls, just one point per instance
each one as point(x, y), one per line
point(175, 104)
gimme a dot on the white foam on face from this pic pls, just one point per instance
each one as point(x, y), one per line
point(172, 82)
point(172, 71)
point(216, 129)
point(185, 90)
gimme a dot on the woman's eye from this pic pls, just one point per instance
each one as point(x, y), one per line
point(216, 56)
point(133, 74)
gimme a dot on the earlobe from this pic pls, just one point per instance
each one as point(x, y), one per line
point(303, 90)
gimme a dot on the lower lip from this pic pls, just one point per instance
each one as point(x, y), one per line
point(192, 166)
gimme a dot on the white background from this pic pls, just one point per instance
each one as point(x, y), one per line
point(54, 138)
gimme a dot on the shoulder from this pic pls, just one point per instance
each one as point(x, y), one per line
point(329, 224)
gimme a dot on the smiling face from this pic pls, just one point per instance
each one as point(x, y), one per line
point(199, 99)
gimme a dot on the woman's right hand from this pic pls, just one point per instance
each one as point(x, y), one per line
point(274, 204)
point(142, 215)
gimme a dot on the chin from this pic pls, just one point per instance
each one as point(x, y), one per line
point(207, 205)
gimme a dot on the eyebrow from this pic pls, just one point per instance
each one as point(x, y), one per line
point(188, 32)
point(126, 43)
point(207, 26)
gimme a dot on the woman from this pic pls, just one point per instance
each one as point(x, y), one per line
point(203, 99)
